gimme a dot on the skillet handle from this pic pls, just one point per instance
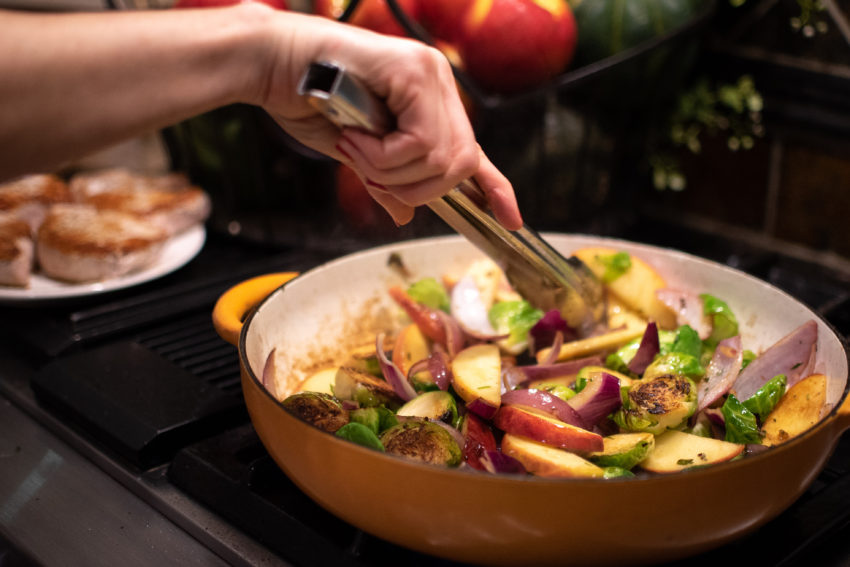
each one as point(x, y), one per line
point(234, 304)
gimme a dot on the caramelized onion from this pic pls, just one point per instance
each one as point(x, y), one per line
point(497, 462)
point(547, 403)
point(518, 376)
point(598, 399)
point(392, 374)
point(688, 308)
point(440, 368)
point(649, 347)
point(721, 372)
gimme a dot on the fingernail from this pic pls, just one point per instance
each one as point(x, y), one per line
point(342, 151)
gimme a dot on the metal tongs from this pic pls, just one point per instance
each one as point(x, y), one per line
point(536, 270)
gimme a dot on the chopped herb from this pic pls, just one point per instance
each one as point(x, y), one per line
point(683, 462)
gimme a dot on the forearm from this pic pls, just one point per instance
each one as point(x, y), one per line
point(72, 83)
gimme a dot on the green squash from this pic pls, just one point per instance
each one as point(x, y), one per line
point(606, 27)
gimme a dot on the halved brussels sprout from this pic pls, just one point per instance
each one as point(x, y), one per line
point(436, 405)
point(623, 450)
point(677, 363)
point(658, 404)
point(317, 408)
point(365, 389)
point(422, 441)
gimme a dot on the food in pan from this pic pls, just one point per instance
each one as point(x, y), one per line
point(477, 377)
point(99, 225)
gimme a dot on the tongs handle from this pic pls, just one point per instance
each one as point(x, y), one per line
point(538, 271)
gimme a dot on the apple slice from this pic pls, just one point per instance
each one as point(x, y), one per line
point(799, 409)
point(675, 451)
point(593, 345)
point(623, 450)
point(410, 347)
point(321, 381)
point(477, 376)
point(544, 460)
point(538, 426)
point(636, 286)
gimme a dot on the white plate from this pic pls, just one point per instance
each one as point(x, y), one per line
point(177, 252)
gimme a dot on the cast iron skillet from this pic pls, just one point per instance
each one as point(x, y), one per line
point(467, 516)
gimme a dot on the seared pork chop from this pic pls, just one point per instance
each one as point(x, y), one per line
point(16, 251)
point(170, 201)
point(28, 197)
point(80, 243)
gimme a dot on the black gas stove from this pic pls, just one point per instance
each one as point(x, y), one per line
point(136, 390)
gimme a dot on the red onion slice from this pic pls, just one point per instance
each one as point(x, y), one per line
point(721, 372)
point(456, 435)
point(519, 376)
point(482, 408)
point(392, 374)
point(440, 368)
point(557, 342)
point(547, 403)
point(649, 347)
point(793, 355)
point(496, 462)
point(598, 399)
point(454, 340)
point(542, 334)
point(688, 308)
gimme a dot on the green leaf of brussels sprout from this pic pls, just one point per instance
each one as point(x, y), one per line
point(615, 265)
point(430, 292)
point(748, 357)
point(360, 434)
point(515, 318)
point(741, 425)
point(563, 392)
point(677, 363)
point(616, 472)
point(765, 399)
point(377, 419)
point(687, 341)
point(724, 322)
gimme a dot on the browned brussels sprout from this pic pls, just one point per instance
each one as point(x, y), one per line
point(423, 441)
point(319, 409)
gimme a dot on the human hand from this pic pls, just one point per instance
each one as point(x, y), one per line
point(433, 146)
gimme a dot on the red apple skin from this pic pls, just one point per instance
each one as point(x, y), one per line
point(479, 438)
point(527, 423)
point(373, 15)
point(443, 19)
point(276, 4)
point(512, 45)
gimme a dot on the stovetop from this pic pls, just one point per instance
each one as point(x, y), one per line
point(139, 384)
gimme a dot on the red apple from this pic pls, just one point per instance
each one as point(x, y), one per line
point(374, 15)
point(443, 18)
point(527, 422)
point(478, 438)
point(512, 45)
point(543, 460)
point(277, 4)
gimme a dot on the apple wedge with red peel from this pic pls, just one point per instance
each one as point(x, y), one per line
point(477, 378)
point(544, 460)
point(543, 428)
point(478, 438)
point(676, 451)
